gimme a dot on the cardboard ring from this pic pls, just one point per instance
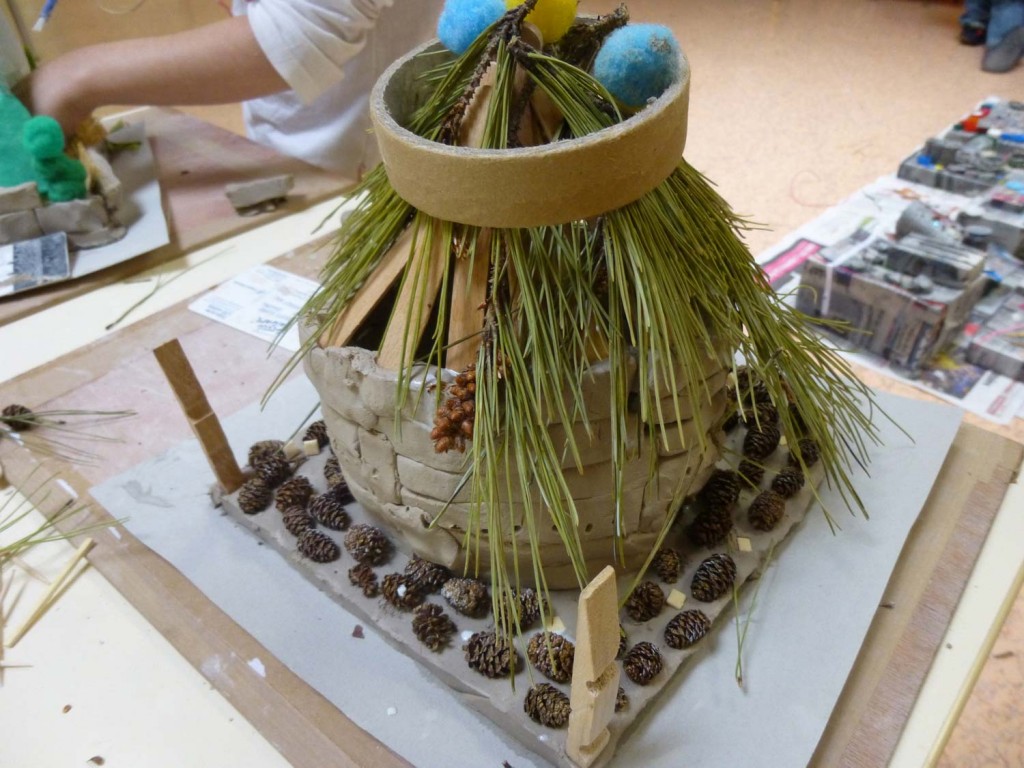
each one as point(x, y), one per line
point(528, 186)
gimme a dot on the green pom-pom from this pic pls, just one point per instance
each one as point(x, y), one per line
point(59, 177)
point(15, 165)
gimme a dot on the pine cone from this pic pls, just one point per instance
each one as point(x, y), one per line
point(751, 472)
point(749, 392)
point(317, 431)
point(763, 413)
point(254, 496)
point(10, 416)
point(623, 642)
point(368, 544)
point(686, 628)
point(621, 700)
point(318, 547)
point(340, 491)
point(273, 470)
point(808, 449)
point(766, 510)
point(362, 576)
point(710, 527)
point(713, 578)
point(264, 449)
point(453, 423)
point(721, 490)
point(332, 472)
point(799, 422)
point(788, 482)
point(642, 663)
point(528, 607)
point(731, 422)
point(467, 596)
point(297, 521)
point(400, 592)
point(645, 602)
point(329, 512)
point(427, 576)
point(760, 442)
point(293, 493)
point(432, 626)
point(666, 564)
point(547, 705)
point(552, 655)
point(489, 656)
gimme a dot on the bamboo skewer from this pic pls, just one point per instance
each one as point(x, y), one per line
point(48, 597)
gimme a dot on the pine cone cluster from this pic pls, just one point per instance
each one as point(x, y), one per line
point(807, 448)
point(294, 492)
point(332, 472)
point(667, 565)
point(273, 469)
point(14, 417)
point(362, 576)
point(766, 510)
point(318, 547)
point(400, 592)
point(490, 656)
point(686, 629)
point(467, 596)
point(788, 482)
point(760, 442)
point(368, 544)
point(713, 578)
point(547, 705)
point(621, 700)
point(552, 655)
point(329, 511)
point(751, 472)
point(710, 527)
point(645, 602)
point(642, 663)
point(254, 496)
point(432, 626)
point(297, 521)
point(317, 431)
point(721, 490)
point(265, 449)
point(427, 576)
point(453, 423)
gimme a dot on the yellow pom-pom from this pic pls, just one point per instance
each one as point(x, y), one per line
point(552, 17)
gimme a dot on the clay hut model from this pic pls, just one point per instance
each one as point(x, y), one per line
point(525, 339)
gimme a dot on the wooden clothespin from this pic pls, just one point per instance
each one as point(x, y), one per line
point(595, 673)
point(201, 417)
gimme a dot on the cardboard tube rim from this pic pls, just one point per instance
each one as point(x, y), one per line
point(531, 186)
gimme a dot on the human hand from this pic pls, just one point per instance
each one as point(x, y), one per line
point(55, 89)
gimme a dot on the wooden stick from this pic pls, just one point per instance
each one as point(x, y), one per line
point(47, 599)
point(469, 292)
point(595, 674)
point(201, 417)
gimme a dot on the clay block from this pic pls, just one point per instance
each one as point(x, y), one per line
point(435, 544)
point(344, 436)
point(97, 239)
point(24, 197)
point(74, 216)
point(244, 194)
point(18, 226)
point(431, 482)
point(378, 471)
point(414, 443)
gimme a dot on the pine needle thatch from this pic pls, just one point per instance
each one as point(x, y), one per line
point(664, 281)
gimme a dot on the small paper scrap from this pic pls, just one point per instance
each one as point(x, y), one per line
point(556, 625)
point(676, 599)
point(744, 544)
point(311, 447)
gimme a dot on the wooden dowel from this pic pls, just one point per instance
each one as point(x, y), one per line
point(44, 603)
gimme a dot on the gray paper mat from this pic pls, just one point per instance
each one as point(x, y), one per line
point(815, 604)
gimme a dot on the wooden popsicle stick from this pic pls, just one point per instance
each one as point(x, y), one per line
point(416, 298)
point(370, 293)
point(46, 600)
point(595, 673)
point(469, 292)
point(201, 417)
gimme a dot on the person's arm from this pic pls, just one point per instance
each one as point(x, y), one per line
point(215, 64)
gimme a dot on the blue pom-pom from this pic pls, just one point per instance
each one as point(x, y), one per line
point(462, 21)
point(638, 62)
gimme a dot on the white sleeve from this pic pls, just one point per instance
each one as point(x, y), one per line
point(308, 42)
